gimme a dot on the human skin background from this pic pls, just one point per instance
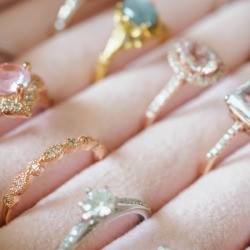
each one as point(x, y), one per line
point(136, 168)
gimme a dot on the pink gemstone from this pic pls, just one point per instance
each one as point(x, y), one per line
point(197, 57)
point(11, 76)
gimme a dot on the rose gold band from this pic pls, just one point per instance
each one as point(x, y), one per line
point(219, 147)
point(161, 99)
point(21, 183)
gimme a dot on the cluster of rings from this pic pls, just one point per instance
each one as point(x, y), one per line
point(192, 62)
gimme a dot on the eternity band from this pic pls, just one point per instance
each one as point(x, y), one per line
point(101, 207)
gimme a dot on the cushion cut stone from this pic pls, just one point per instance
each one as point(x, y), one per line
point(197, 57)
point(140, 12)
point(99, 203)
point(11, 76)
point(239, 103)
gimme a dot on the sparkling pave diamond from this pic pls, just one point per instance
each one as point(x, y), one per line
point(11, 76)
point(98, 204)
point(239, 103)
point(140, 12)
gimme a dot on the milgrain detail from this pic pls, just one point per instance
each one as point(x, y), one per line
point(21, 183)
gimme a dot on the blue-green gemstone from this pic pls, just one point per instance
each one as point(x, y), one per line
point(140, 12)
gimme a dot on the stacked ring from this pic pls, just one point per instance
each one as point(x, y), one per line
point(21, 183)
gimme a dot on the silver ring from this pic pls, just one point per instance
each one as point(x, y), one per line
point(100, 207)
point(65, 13)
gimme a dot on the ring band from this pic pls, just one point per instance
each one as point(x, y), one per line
point(20, 91)
point(65, 14)
point(238, 103)
point(99, 207)
point(21, 183)
point(136, 22)
point(192, 62)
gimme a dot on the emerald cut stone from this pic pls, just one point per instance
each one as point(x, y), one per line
point(140, 12)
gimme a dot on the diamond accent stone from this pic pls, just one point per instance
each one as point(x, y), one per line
point(239, 103)
point(9, 200)
point(11, 76)
point(19, 184)
point(35, 168)
point(98, 204)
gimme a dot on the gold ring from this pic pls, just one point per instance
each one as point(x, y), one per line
point(136, 22)
point(20, 91)
point(21, 183)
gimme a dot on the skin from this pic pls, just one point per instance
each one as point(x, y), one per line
point(134, 168)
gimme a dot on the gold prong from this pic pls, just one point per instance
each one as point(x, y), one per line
point(27, 65)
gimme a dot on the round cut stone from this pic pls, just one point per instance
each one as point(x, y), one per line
point(99, 203)
point(140, 12)
point(11, 76)
point(197, 57)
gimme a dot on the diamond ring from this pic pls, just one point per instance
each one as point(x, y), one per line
point(36, 167)
point(136, 22)
point(192, 62)
point(238, 103)
point(20, 91)
point(101, 206)
point(65, 14)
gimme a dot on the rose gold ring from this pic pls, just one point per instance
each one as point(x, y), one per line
point(21, 183)
point(20, 91)
point(192, 62)
point(238, 103)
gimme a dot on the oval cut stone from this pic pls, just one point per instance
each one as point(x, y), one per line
point(197, 57)
point(11, 75)
point(140, 12)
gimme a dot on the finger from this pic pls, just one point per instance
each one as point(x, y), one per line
point(81, 74)
point(15, 22)
point(133, 170)
point(211, 214)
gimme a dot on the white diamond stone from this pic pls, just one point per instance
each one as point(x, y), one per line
point(98, 204)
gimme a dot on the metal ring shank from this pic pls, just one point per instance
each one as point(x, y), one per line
point(125, 206)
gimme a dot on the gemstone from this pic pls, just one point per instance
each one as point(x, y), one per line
point(197, 57)
point(9, 200)
point(239, 103)
point(140, 12)
point(11, 76)
point(19, 184)
point(98, 204)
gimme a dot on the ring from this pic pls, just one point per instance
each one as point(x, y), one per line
point(136, 22)
point(238, 103)
point(21, 183)
point(192, 62)
point(21, 91)
point(99, 207)
point(65, 14)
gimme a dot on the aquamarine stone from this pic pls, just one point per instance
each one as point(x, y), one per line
point(140, 12)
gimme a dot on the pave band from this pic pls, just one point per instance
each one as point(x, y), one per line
point(117, 207)
point(21, 183)
point(65, 14)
